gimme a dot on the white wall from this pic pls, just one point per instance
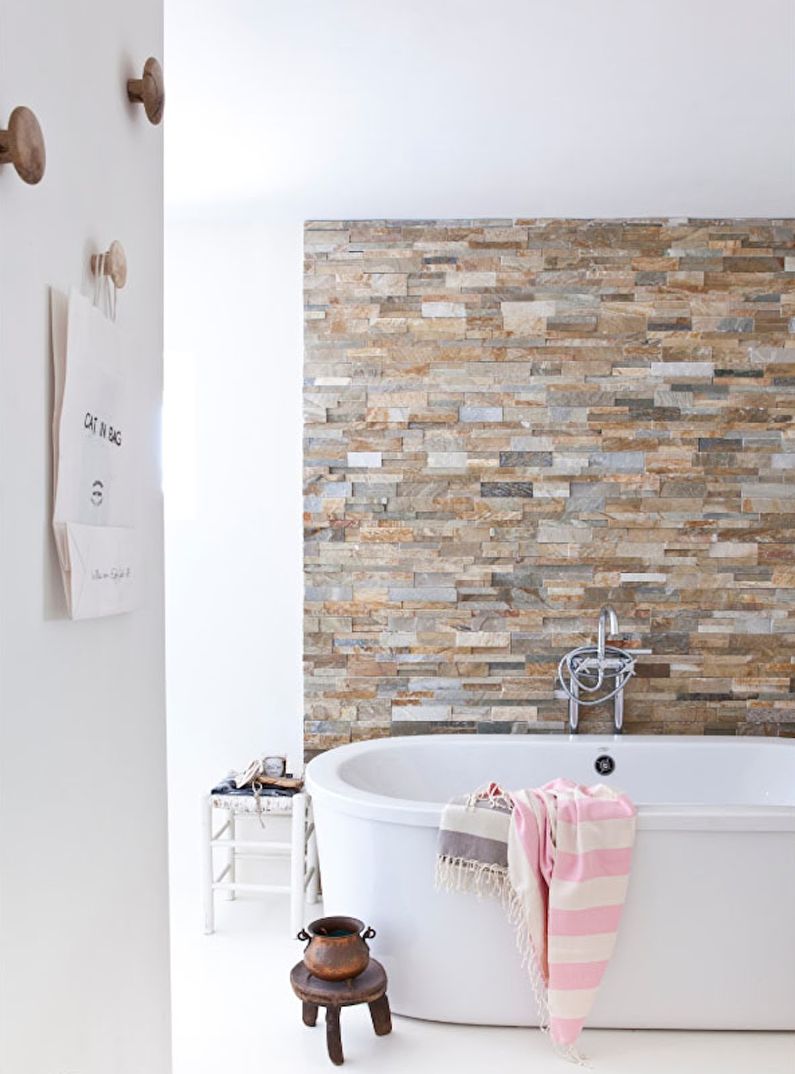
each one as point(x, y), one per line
point(426, 108)
point(83, 882)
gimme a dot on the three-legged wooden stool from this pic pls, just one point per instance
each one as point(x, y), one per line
point(369, 987)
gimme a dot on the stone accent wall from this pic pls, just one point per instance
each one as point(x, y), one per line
point(510, 423)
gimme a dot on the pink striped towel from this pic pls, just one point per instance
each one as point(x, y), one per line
point(569, 856)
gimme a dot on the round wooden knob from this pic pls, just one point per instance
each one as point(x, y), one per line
point(112, 263)
point(149, 90)
point(23, 145)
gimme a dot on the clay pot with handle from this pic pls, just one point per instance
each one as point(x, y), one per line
point(337, 948)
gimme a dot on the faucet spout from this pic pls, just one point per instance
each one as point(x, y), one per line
point(608, 624)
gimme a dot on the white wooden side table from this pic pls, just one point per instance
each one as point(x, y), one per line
point(222, 842)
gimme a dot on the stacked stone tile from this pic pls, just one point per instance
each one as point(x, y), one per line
point(510, 423)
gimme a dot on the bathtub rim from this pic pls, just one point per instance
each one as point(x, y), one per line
point(325, 784)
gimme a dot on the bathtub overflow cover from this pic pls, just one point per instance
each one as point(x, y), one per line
point(604, 764)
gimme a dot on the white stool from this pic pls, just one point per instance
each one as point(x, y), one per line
point(302, 850)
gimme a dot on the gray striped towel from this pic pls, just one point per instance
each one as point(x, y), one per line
point(472, 850)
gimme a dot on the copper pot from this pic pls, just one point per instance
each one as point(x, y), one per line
point(337, 949)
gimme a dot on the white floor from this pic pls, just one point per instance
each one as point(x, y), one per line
point(234, 1011)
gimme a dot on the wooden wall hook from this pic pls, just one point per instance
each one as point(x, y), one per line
point(112, 263)
point(23, 145)
point(149, 90)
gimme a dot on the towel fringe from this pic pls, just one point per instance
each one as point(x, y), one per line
point(487, 880)
point(493, 794)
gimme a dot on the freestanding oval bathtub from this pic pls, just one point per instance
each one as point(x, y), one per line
point(707, 939)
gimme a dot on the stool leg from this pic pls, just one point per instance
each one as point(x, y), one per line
point(381, 1016)
point(297, 861)
point(230, 856)
point(309, 1013)
point(333, 1038)
point(207, 866)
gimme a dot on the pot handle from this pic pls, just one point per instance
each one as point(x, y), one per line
point(303, 935)
point(368, 933)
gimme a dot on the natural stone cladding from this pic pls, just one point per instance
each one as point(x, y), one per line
point(510, 423)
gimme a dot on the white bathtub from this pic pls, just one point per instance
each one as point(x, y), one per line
point(707, 940)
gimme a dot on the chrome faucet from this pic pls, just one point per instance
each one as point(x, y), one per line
point(588, 667)
point(608, 624)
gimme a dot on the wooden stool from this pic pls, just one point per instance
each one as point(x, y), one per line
point(369, 987)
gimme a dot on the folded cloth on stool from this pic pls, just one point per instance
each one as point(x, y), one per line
point(256, 789)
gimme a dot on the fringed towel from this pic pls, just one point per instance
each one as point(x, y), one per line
point(558, 857)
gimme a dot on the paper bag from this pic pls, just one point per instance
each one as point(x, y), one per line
point(94, 495)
